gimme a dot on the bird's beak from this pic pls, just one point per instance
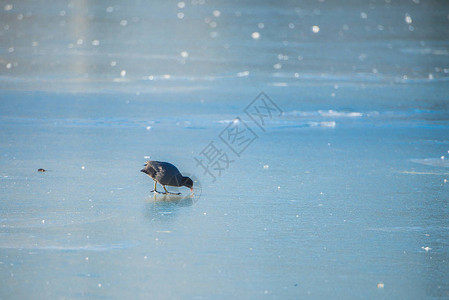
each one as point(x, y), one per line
point(191, 190)
point(143, 170)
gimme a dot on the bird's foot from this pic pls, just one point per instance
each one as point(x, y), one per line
point(169, 193)
point(156, 192)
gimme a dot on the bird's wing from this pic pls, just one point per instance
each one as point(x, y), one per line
point(156, 165)
point(166, 173)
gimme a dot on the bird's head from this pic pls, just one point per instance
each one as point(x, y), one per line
point(145, 165)
point(188, 183)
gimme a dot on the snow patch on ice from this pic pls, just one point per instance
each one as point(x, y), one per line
point(435, 162)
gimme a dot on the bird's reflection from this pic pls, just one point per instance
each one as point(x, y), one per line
point(178, 200)
point(165, 207)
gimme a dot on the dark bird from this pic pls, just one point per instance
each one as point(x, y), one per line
point(166, 174)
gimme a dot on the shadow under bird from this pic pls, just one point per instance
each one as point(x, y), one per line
point(165, 173)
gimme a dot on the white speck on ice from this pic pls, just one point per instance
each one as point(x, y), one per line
point(380, 285)
point(266, 166)
point(124, 22)
point(408, 19)
point(83, 167)
point(99, 285)
point(95, 42)
point(315, 28)
point(243, 74)
point(9, 7)
point(181, 4)
point(87, 258)
point(279, 187)
point(146, 157)
point(148, 128)
point(330, 124)
point(255, 35)
point(427, 249)
point(180, 15)
point(184, 54)
point(216, 13)
point(282, 57)
point(43, 221)
point(123, 73)
point(442, 157)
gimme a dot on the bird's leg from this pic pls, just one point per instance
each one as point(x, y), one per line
point(155, 184)
point(154, 190)
point(167, 192)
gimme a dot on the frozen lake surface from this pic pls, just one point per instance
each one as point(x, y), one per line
point(343, 195)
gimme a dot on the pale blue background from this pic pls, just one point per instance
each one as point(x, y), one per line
point(354, 191)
